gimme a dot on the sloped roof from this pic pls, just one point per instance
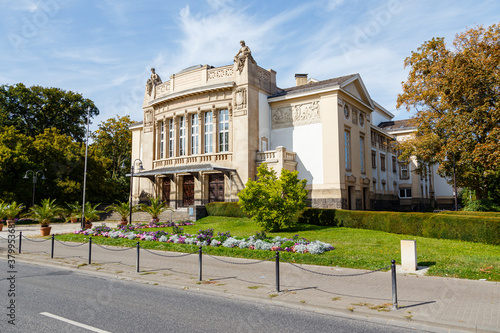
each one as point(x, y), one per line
point(314, 85)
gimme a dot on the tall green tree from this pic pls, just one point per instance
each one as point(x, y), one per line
point(113, 139)
point(113, 144)
point(31, 110)
point(456, 95)
point(16, 151)
point(274, 203)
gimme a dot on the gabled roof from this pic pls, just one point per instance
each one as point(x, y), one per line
point(341, 82)
point(314, 85)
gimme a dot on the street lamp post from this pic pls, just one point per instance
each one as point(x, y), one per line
point(131, 182)
point(454, 180)
point(35, 174)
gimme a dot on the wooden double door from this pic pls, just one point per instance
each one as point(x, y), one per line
point(216, 187)
point(188, 191)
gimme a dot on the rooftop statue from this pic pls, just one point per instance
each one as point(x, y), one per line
point(152, 82)
point(242, 55)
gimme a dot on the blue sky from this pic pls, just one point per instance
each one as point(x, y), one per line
point(104, 49)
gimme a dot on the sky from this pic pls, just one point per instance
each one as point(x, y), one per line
point(104, 49)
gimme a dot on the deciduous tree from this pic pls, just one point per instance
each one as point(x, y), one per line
point(456, 95)
point(31, 110)
point(274, 203)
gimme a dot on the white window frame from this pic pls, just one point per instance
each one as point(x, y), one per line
point(162, 140)
point(182, 136)
point(405, 191)
point(209, 132)
point(223, 130)
point(170, 138)
point(194, 134)
point(362, 153)
point(347, 149)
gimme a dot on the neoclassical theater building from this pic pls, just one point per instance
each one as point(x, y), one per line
point(206, 130)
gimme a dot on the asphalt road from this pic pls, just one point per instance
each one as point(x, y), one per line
point(57, 300)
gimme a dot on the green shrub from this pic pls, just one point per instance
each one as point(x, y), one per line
point(229, 209)
point(484, 205)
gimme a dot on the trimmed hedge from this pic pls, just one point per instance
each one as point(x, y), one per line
point(317, 216)
point(229, 209)
point(471, 227)
point(468, 228)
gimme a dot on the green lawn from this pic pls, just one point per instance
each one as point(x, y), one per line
point(354, 248)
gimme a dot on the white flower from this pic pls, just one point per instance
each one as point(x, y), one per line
point(214, 243)
point(163, 238)
point(243, 245)
point(231, 242)
point(300, 248)
point(191, 240)
point(261, 245)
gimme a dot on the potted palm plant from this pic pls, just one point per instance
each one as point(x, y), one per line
point(3, 215)
point(122, 209)
point(91, 214)
point(155, 209)
point(45, 213)
point(74, 211)
point(12, 211)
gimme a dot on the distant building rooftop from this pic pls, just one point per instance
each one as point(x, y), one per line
point(397, 125)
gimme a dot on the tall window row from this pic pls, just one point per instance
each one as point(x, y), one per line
point(187, 137)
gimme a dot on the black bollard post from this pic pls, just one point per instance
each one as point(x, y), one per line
point(277, 271)
point(394, 286)
point(200, 253)
point(137, 263)
point(52, 248)
point(20, 240)
point(90, 250)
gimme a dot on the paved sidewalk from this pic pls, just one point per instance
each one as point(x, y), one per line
point(425, 303)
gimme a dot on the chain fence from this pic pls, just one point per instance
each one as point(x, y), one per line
point(238, 263)
point(170, 256)
point(200, 255)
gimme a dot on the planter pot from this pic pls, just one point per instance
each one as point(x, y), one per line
point(45, 231)
point(74, 220)
point(155, 220)
point(123, 222)
point(1, 226)
point(11, 223)
point(88, 225)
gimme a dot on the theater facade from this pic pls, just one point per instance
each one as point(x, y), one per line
point(206, 130)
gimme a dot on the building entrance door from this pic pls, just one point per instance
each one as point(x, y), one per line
point(188, 191)
point(216, 187)
point(165, 190)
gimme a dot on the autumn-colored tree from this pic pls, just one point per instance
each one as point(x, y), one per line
point(456, 95)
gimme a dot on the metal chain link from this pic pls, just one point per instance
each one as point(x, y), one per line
point(238, 263)
point(105, 248)
point(336, 275)
point(68, 244)
point(176, 256)
point(35, 241)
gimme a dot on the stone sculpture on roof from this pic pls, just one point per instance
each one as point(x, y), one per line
point(241, 56)
point(152, 82)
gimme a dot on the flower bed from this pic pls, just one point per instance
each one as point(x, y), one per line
point(206, 238)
